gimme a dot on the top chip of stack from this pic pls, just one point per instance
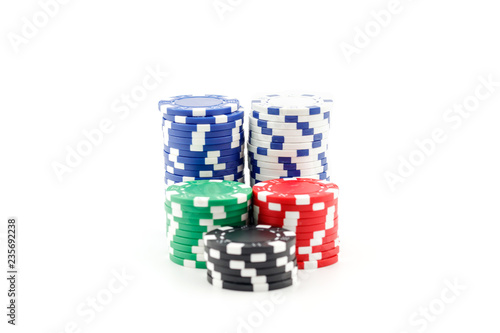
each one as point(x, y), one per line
point(289, 137)
point(307, 206)
point(203, 138)
point(250, 258)
point(196, 207)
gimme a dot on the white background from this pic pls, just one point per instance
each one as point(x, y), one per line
point(399, 247)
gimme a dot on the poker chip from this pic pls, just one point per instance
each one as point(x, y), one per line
point(187, 255)
point(286, 159)
point(318, 263)
point(288, 139)
point(204, 160)
point(169, 182)
point(206, 222)
point(174, 206)
point(200, 215)
point(259, 177)
point(206, 148)
point(289, 173)
point(253, 279)
point(250, 239)
point(219, 119)
point(167, 124)
point(187, 248)
point(288, 166)
point(204, 141)
point(291, 119)
point(252, 257)
point(249, 272)
point(209, 193)
point(203, 167)
point(195, 227)
point(198, 106)
point(251, 287)
point(204, 154)
point(288, 126)
point(242, 264)
point(202, 135)
point(181, 179)
point(289, 153)
point(288, 146)
point(205, 173)
point(289, 132)
point(187, 262)
point(294, 105)
point(306, 206)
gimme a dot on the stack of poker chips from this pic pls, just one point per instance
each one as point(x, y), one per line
point(251, 258)
point(309, 208)
point(289, 137)
point(203, 138)
point(196, 207)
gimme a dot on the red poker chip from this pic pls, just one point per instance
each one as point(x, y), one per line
point(294, 214)
point(318, 255)
point(317, 248)
point(315, 234)
point(279, 207)
point(317, 241)
point(301, 229)
point(317, 263)
point(295, 191)
point(294, 222)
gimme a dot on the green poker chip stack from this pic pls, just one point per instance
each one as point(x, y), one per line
point(196, 207)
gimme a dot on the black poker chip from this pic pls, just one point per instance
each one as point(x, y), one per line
point(241, 264)
point(254, 279)
point(249, 272)
point(251, 287)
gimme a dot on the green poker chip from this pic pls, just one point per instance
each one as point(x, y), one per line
point(186, 234)
point(211, 209)
point(187, 248)
point(208, 216)
point(187, 255)
point(210, 222)
point(188, 263)
point(207, 193)
point(185, 241)
point(197, 228)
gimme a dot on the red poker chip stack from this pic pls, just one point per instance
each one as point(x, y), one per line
point(306, 206)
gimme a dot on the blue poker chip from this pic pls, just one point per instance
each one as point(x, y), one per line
point(260, 177)
point(175, 178)
point(290, 119)
point(203, 154)
point(291, 153)
point(288, 166)
point(286, 159)
point(286, 132)
point(198, 106)
point(286, 139)
point(207, 141)
point(205, 173)
point(167, 124)
point(202, 148)
point(203, 160)
point(194, 134)
point(199, 167)
point(220, 119)
point(286, 146)
point(288, 173)
point(253, 181)
point(292, 105)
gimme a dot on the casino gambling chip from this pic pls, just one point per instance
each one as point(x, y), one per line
point(278, 207)
point(290, 119)
point(242, 264)
point(187, 248)
point(197, 228)
point(318, 255)
point(249, 272)
point(316, 241)
point(288, 126)
point(206, 193)
point(219, 119)
point(288, 166)
point(259, 177)
point(289, 152)
point(287, 159)
point(250, 239)
point(202, 135)
point(198, 106)
point(204, 167)
point(207, 222)
point(186, 234)
point(329, 225)
point(213, 216)
point(189, 241)
point(317, 248)
point(292, 105)
point(288, 139)
point(182, 179)
point(317, 263)
point(176, 207)
point(289, 132)
point(287, 146)
point(288, 173)
point(251, 287)
point(252, 257)
point(206, 148)
point(204, 154)
point(202, 127)
point(297, 214)
point(205, 141)
point(204, 160)
point(188, 263)
point(205, 173)
point(186, 255)
point(316, 234)
point(253, 279)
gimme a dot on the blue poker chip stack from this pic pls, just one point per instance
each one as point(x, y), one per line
point(203, 138)
point(289, 137)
